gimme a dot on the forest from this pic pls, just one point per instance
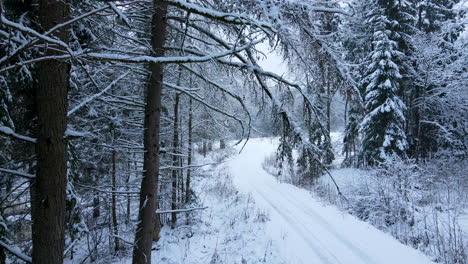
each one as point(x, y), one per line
point(233, 131)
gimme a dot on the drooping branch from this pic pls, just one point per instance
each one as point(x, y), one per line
point(198, 98)
point(9, 132)
point(94, 96)
point(18, 173)
point(16, 252)
point(229, 18)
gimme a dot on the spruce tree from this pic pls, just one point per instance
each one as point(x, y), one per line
point(382, 128)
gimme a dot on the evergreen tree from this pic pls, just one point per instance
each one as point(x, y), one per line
point(383, 125)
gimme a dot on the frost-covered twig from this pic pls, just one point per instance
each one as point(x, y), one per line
point(230, 18)
point(180, 210)
point(197, 98)
point(94, 96)
point(9, 132)
point(120, 14)
point(18, 173)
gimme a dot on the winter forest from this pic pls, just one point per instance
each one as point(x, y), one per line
point(233, 131)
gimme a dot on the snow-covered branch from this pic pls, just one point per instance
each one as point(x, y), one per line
point(180, 210)
point(18, 173)
point(94, 96)
point(231, 18)
point(9, 132)
point(16, 252)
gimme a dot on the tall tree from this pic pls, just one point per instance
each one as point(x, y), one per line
point(383, 126)
point(148, 191)
point(49, 187)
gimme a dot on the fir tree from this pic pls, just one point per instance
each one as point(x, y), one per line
point(383, 125)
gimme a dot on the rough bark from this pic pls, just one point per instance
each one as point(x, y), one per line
point(49, 189)
point(189, 159)
point(114, 203)
point(129, 167)
point(149, 192)
point(175, 144)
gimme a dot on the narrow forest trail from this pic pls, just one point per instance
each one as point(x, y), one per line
point(305, 230)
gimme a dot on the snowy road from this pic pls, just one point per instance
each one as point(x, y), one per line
point(305, 230)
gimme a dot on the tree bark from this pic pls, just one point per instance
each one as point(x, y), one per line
point(114, 203)
point(49, 189)
point(129, 167)
point(222, 144)
point(149, 184)
point(175, 144)
point(189, 159)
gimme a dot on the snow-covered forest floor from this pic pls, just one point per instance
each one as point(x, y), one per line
point(253, 217)
point(411, 202)
point(230, 230)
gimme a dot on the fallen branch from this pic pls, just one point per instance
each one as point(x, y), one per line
point(180, 210)
point(16, 252)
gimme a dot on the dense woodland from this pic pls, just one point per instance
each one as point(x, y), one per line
point(104, 104)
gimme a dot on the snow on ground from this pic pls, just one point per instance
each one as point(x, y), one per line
point(305, 230)
point(463, 222)
point(231, 230)
point(336, 140)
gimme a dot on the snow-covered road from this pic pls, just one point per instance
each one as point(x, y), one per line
point(305, 230)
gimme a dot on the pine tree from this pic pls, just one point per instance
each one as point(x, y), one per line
point(383, 125)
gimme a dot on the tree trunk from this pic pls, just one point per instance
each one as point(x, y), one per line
point(149, 191)
point(49, 188)
point(114, 203)
point(204, 149)
point(222, 144)
point(175, 144)
point(189, 159)
point(129, 168)
point(96, 211)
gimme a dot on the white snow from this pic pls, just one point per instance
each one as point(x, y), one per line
point(305, 230)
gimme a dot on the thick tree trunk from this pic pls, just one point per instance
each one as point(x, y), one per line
point(175, 144)
point(2, 251)
point(149, 191)
point(189, 159)
point(49, 188)
point(114, 202)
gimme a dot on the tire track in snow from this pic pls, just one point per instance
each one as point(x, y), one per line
point(318, 235)
point(323, 223)
point(313, 246)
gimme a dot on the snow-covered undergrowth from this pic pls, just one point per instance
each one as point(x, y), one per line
point(230, 230)
point(422, 206)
